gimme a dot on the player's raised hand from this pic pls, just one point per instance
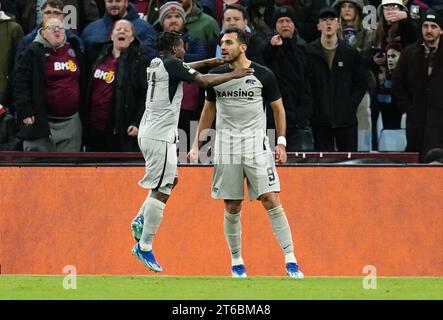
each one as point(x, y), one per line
point(242, 72)
point(193, 155)
point(280, 154)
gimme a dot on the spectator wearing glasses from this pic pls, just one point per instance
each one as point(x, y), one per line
point(339, 81)
point(47, 91)
point(50, 9)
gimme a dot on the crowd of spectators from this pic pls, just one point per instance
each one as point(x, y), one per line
point(73, 73)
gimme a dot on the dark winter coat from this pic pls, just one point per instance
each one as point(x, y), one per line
point(130, 89)
point(10, 36)
point(338, 92)
point(421, 97)
point(289, 62)
point(29, 89)
point(8, 133)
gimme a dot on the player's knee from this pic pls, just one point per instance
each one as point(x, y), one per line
point(160, 196)
point(175, 183)
point(233, 206)
point(270, 200)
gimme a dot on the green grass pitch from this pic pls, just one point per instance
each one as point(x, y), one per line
point(216, 288)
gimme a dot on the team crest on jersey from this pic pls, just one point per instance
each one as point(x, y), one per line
point(71, 53)
point(65, 66)
point(251, 81)
point(108, 77)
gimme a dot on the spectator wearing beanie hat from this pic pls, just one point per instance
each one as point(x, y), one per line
point(287, 12)
point(306, 13)
point(171, 7)
point(417, 86)
point(285, 54)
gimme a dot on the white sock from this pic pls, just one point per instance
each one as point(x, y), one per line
point(282, 231)
point(232, 230)
point(153, 215)
point(142, 208)
point(290, 257)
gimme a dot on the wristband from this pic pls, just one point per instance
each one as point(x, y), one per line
point(281, 140)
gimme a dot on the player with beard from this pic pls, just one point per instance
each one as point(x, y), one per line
point(242, 148)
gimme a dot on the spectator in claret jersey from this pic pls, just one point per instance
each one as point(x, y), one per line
point(116, 93)
point(148, 9)
point(50, 9)
point(47, 91)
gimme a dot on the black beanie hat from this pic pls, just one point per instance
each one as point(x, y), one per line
point(433, 16)
point(284, 11)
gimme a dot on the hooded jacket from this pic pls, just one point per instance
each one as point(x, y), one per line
point(30, 37)
point(10, 35)
point(30, 85)
point(98, 32)
point(204, 27)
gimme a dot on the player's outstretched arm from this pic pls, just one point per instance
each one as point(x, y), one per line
point(206, 119)
point(211, 80)
point(206, 63)
point(280, 125)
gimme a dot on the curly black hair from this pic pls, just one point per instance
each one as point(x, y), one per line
point(167, 40)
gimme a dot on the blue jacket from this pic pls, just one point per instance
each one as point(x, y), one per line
point(195, 50)
point(99, 31)
point(29, 38)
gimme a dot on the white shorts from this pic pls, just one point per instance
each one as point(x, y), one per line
point(230, 172)
point(160, 164)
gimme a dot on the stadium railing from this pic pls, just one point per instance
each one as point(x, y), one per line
point(135, 158)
